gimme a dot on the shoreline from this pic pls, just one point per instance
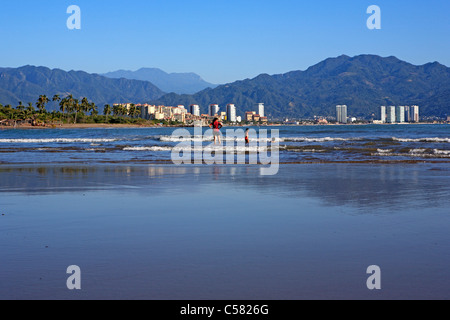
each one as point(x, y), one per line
point(124, 126)
point(78, 126)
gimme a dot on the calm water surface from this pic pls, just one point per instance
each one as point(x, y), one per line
point(221, 232)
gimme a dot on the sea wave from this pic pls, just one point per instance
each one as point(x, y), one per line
point(325, 139)
point(443, 152)
point(58, 140)
point(414, 153)
point(223, 149)
point(208, 138)
point(153, 148)
point(446, 140)
point(384, 151)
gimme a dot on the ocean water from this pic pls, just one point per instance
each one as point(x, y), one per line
point(139, 227)
point(372, 143)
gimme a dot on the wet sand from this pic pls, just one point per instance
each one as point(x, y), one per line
point(220, 232)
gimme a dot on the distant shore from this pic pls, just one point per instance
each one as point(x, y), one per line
point(115, 126)
point(79, 126)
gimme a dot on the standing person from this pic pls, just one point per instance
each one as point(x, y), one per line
point(216, 125)
point(247, 141)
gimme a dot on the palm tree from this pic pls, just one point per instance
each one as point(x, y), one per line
point(84, 105)
point(64, 104)
point(93, 109)
point(134, 111)
point(107, 110)
point(56, 98)
point(30, 107)
point(29, 111)
point(75, 107)
point(117, 110)
point(124, 110)
point(20, 107)
point(137, 112)
point(21, 110)
point(42, 101)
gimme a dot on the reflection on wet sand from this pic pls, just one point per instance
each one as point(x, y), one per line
point(376, 186)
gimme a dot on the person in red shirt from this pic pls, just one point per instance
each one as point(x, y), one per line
point(247, 141)
point(216, 125)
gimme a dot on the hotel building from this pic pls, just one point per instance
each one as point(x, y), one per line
point(383, 114)
point(213, 110)
point(341, 113)
point(400, 115)
point(390, 118)
point(195, 110)
point(260, 108)
point(231, 113)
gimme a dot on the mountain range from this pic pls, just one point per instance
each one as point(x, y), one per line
point(363, 83)
point(181, 83)
point(27, 83)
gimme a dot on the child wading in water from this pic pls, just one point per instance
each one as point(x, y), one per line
point(247, 141)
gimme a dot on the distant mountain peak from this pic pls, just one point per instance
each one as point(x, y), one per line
point(181, 83)
point(27, 83)
point(364, 83)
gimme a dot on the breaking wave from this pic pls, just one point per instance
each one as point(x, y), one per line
point(58, 140)
point(446, 140)
point(223, 149)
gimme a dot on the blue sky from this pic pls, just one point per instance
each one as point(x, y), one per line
point(222, 40)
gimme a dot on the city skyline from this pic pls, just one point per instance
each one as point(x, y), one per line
point(171, 35)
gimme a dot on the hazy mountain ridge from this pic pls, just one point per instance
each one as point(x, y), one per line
point(180, 83)
point(363, 83)
point(27, 83)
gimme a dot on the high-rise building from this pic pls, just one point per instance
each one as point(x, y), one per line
point(408, 114)
point(341, 114)
point(415, 114)
point(195, 110)
point(231, 113)
point(383, 114)
point(260, 108)
point(390, 115)
point(213, 110)
point(400, 114)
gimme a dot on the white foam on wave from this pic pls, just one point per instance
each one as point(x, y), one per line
point(57, 140)
point(415, 153)
point(306, 150)
point(447, 140)
point(325, 139)
point(153, 148)
point(223, 149)
point(207, 138)
point(442, 152)
point(384, 151)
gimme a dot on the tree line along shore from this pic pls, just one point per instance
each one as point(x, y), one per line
point(72, 113)
point(75, 113)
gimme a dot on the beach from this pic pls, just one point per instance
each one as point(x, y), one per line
point(220, 232)
point(112, 202)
